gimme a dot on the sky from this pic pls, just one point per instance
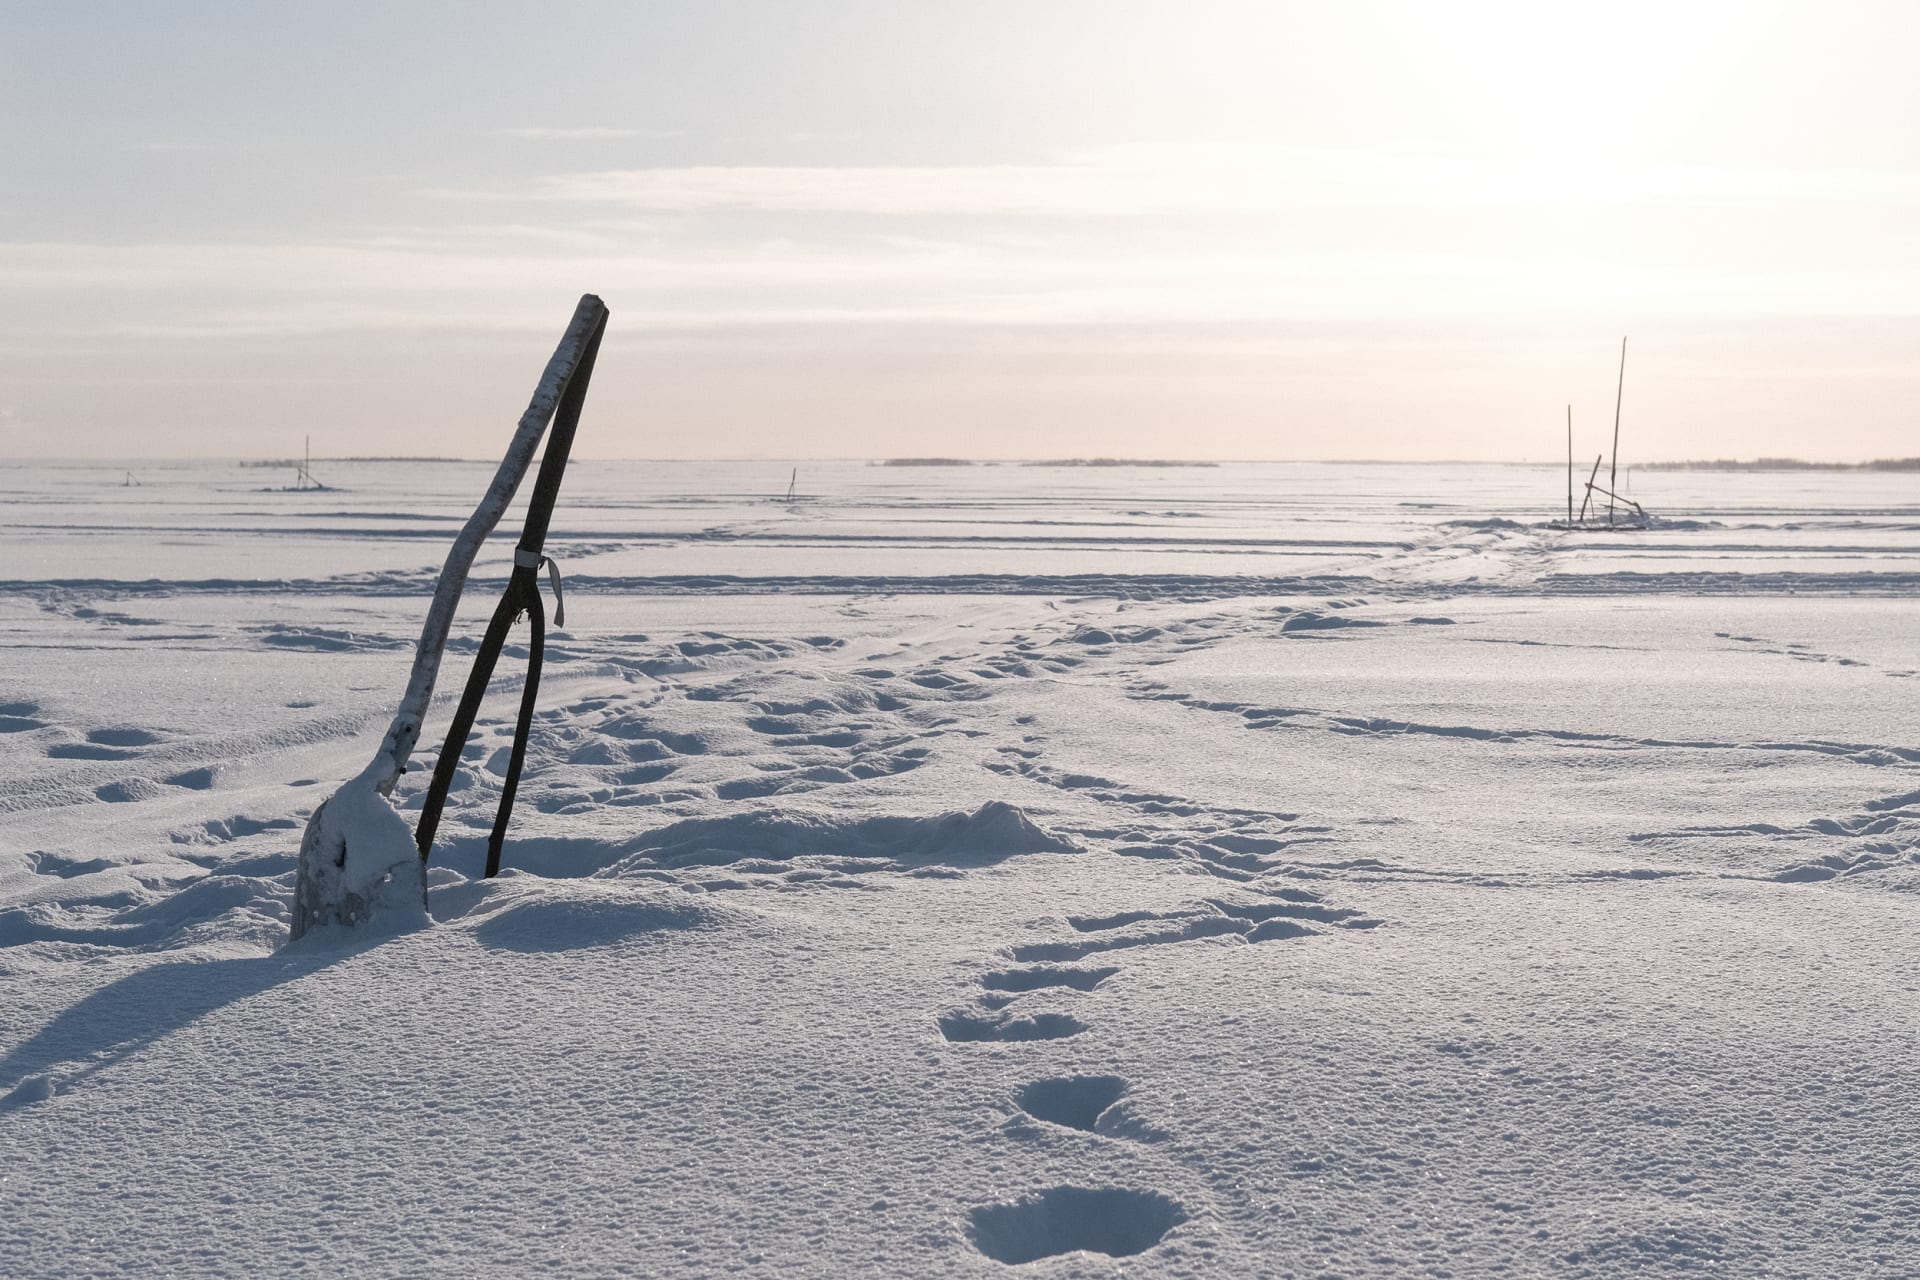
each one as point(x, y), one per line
point(1255, 229)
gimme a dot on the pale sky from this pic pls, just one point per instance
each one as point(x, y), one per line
point(1347, 229)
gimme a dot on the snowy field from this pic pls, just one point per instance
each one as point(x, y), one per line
point(1262, 870)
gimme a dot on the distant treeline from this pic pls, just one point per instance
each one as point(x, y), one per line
point(1118, 462)
point(301, 462)
point(1047, 462)
point(1782, 464)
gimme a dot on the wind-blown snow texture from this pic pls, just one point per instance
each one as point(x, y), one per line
point(1261, 870)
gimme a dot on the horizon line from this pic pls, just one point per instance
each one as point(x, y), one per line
point(936, 462)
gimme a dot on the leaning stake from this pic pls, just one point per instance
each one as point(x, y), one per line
point(521, 596)
point(1613, 472)
point(357, 859)
point(1590, 487)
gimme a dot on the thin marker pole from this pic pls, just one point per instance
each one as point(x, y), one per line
point(1618, 391)
point(1569, 464)
point(1590, 487)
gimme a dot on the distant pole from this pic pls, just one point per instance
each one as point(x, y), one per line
point(1590, 479)
point(792, 480)
point(1569, 464)
point(1620, 389)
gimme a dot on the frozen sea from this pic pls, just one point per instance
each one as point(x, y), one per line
point(1258, 870)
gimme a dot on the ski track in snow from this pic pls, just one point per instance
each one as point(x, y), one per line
point(942, 883)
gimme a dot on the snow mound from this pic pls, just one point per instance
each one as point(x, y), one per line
point(1092, 635)
point(130, 791)
point(994, 831)
point(556, 918)
point(1309, 621)
point(32, 1089)
point(222, 912)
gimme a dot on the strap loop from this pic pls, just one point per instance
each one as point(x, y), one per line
point(523, 559)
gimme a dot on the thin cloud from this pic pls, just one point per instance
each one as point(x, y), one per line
point(1057, 190)
point(1231, 234)
point(168, 146)
point(207, 291)
point(586, 134)
point(1206, 179)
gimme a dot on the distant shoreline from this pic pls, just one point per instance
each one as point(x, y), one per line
point(1781, 464)
point(1041, 462)
point(395, 457)
point(1882, 465)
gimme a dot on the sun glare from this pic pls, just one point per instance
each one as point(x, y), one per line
point(1547, 82)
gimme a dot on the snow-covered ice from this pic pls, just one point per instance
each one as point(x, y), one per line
point(1261, 870)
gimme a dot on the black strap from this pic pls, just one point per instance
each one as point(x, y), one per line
point(536, 652)
point(513, 603)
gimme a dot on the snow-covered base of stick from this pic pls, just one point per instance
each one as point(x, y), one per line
point(359, 866)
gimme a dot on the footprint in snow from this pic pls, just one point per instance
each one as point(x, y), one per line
point(1283, 918)
point(1042, 976)
point(962, 1026)
point(1115, 1221)
point(20, 717)
point(1090, 1104)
